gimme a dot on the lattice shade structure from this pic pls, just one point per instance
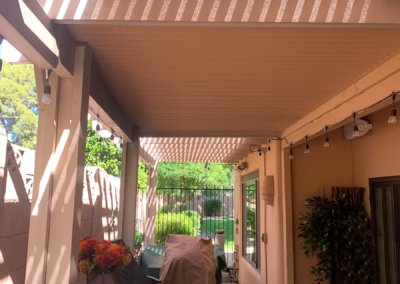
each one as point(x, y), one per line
point(200, 149)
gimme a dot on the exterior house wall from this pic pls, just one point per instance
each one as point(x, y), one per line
point(321, 169)
point(344, 163)
point(100, 199)
point(271, 220)
point(376, 154)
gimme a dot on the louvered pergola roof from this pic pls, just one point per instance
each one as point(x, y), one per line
point(201, 149)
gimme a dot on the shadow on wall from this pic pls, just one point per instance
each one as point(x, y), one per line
point(100, 204)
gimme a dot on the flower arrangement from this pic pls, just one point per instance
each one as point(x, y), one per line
point(98, 258)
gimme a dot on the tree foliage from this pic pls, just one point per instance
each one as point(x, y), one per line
point(194, 175)
point(19, 104)
point(341, 236)
point(101, 153)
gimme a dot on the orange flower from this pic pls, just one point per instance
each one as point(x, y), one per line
point(83, 266)
point(99, 249)
point(126, 258)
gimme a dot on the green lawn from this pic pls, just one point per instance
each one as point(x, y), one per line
point(221, 223)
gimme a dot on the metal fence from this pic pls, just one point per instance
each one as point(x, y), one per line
point(195, 212)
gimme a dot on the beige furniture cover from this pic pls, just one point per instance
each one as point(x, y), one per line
point(188, 260)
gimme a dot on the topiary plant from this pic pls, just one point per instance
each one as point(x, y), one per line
point(341, 236)
point(213, 206)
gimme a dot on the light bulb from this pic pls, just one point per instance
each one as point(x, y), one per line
point(291, 157)
point(98, 128)
point(46, 99)
point(307, 150)
point(326, 143)
point(112, 139)
point(259, 154)
point(356, 133)
point(392, 117)
point(268, 150)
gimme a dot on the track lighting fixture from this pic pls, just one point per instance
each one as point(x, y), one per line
point(46, 99)
point(291, 157)
point(393, 111)
point(356, 133)
point(326, 142)
point(307, 149)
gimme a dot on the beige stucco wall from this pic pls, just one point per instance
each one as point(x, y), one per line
point(344, 163)
point(377, 154)
point(271, 220)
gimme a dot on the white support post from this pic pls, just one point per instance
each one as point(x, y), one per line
point(129, 181)
point(59, 172)
point(151, 207)
point(287, 218)
point(41, 193)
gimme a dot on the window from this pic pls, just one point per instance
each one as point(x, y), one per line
point(385, 209)
point(251, 219)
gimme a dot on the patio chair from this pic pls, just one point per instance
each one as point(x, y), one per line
point(132, 274)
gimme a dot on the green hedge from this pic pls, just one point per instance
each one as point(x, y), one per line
point(213, 206)
point(196, 218)
point(174, 223)
point(168, 209)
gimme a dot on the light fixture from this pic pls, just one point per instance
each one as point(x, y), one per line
point(393, 111)
point(356, 133)
point(112, 136)
point(307, 150)
point(291, 157)
point(259, 152)
point(326, 143)
point(1, 61)
point(46, 99)
point(98, 128)
point(269, 148)
point(120, 143)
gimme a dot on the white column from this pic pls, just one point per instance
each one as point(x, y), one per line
point(41, 193)
point(59, 171)
point(287, 218)
point(151, 207)
point(129, 180)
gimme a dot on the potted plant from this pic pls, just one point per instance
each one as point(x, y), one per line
point(99, 260)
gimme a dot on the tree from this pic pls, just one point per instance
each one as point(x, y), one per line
point(101, 153)
point(194, 175)
point(19, 104)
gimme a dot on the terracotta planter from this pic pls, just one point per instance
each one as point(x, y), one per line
point(106, 278)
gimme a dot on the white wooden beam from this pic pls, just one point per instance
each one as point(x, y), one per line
point(373, 87)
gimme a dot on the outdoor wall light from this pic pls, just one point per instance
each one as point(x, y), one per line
point(291, 157)
point(112, 137)
point(326, 142)
point(98, 127)
point(46, 99)
point(356, 133)
point(307, 150)
point(393, 111)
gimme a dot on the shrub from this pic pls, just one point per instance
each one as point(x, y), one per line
point(213, 206)
point(173, 223)
point(196, 218)
point(165, 209)
point(182, 208)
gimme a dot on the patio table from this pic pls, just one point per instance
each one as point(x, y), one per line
point(152, 258)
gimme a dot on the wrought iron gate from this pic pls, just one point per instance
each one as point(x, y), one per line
point(196, 212)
